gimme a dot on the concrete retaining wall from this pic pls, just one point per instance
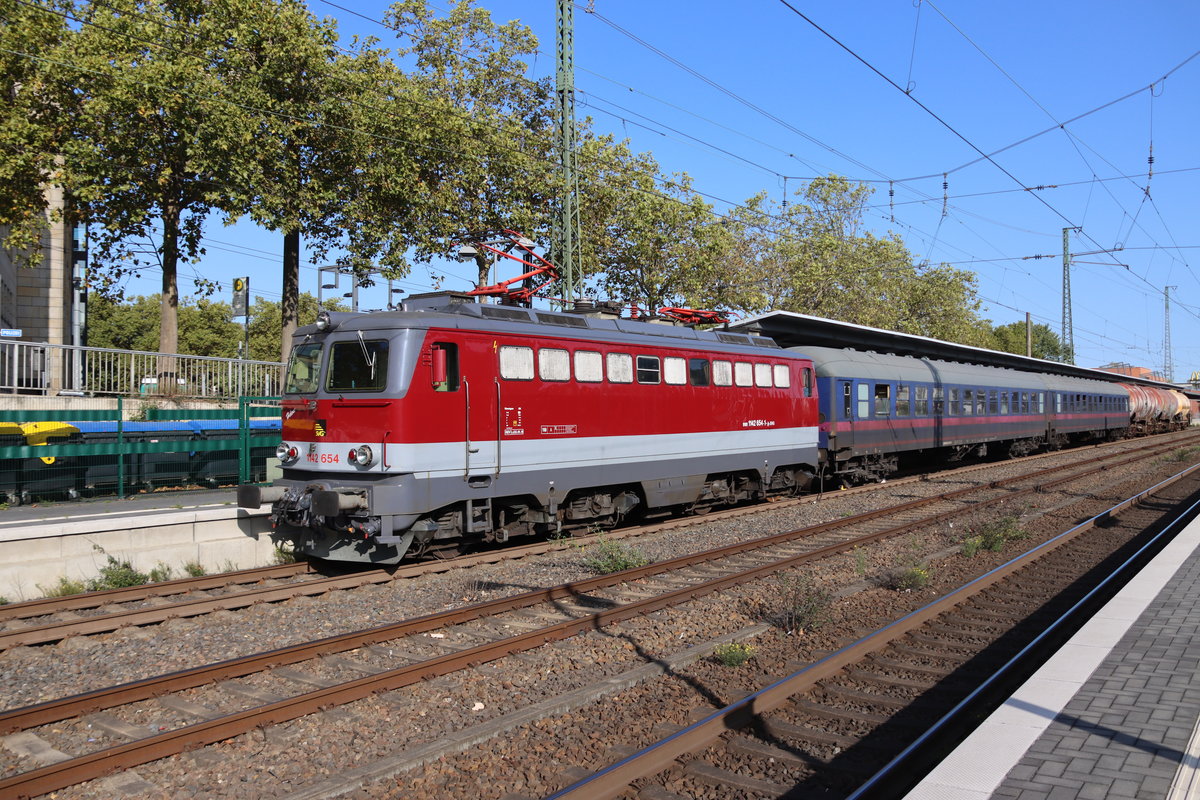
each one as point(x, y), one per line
point(218, 537)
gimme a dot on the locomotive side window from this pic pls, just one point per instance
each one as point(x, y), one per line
point(762, 375)
point(675, 371)
point(303, 369)
point(516, 363)
point(554, 364)
point(444, 366)
point(883, 399)
point(922, 409)
point(722, 373)
point(358, 366)
point(902, 405)
point(783, 376)
point(589, 366)
point(864, 401)
point(743, 374)
point(698, 371)
point(619, 367)
point(648, 370)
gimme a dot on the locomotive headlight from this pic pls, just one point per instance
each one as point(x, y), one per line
point(361, 455)
point(286, 453)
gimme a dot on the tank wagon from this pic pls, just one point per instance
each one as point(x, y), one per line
point(448, 421)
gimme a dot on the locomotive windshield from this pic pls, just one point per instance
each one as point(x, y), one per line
point(358, 366)
point(303, 369)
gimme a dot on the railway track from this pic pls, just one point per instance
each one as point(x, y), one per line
point(47, 620)
point(580, 607)
point(817, 731)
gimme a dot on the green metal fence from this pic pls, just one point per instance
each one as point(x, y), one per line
point(63, 454)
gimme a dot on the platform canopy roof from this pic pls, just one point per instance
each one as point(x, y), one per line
point(790, 329)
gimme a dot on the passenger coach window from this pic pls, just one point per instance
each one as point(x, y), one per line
point(722, 373)
point(303, 369)
point(589, 366)
point(922, 401)
point(1004, 402)
point(902, 401)
point(939, 401)
point(955, 403)
point(864, 401)
point(619, 367)
point(674, 371)
point(358, 366)
point(698, 371)
point(993, 402)
point(554, 365)
point(648, 370)
point(968, 402)
point(883, 399)
point(743, 374)
point(516, 363)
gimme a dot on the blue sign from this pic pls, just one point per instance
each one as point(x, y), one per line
point(10, 331)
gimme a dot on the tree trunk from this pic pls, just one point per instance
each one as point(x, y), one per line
point(290, 305)
point(168, 331)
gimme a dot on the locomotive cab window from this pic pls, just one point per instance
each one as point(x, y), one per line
point(358, 365)
point(808, 382)
point(444, 366)
point(304, 368)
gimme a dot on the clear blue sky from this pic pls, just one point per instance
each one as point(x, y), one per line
point(739, 95)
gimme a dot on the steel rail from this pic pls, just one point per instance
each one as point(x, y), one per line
point(611, 780)
point(86, 702)
point(88, 767)
point(115, 620)
point(51, 605)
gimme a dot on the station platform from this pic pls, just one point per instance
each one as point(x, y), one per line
point(1114, 714)
point(43, 543)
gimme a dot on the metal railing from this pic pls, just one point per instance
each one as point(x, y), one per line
point(48, 369)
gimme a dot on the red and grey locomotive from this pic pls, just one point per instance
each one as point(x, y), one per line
point(449, 420)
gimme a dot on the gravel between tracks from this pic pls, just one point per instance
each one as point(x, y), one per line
point(281, 760)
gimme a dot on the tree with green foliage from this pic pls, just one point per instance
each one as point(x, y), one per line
point(1010, 338)
point(206, 327)
point(816, 257)
point(31, 126)
point(481, 160)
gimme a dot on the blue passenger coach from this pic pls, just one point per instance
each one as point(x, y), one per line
point(877, 409)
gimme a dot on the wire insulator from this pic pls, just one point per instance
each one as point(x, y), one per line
point(945, 192)
point(892, 200)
